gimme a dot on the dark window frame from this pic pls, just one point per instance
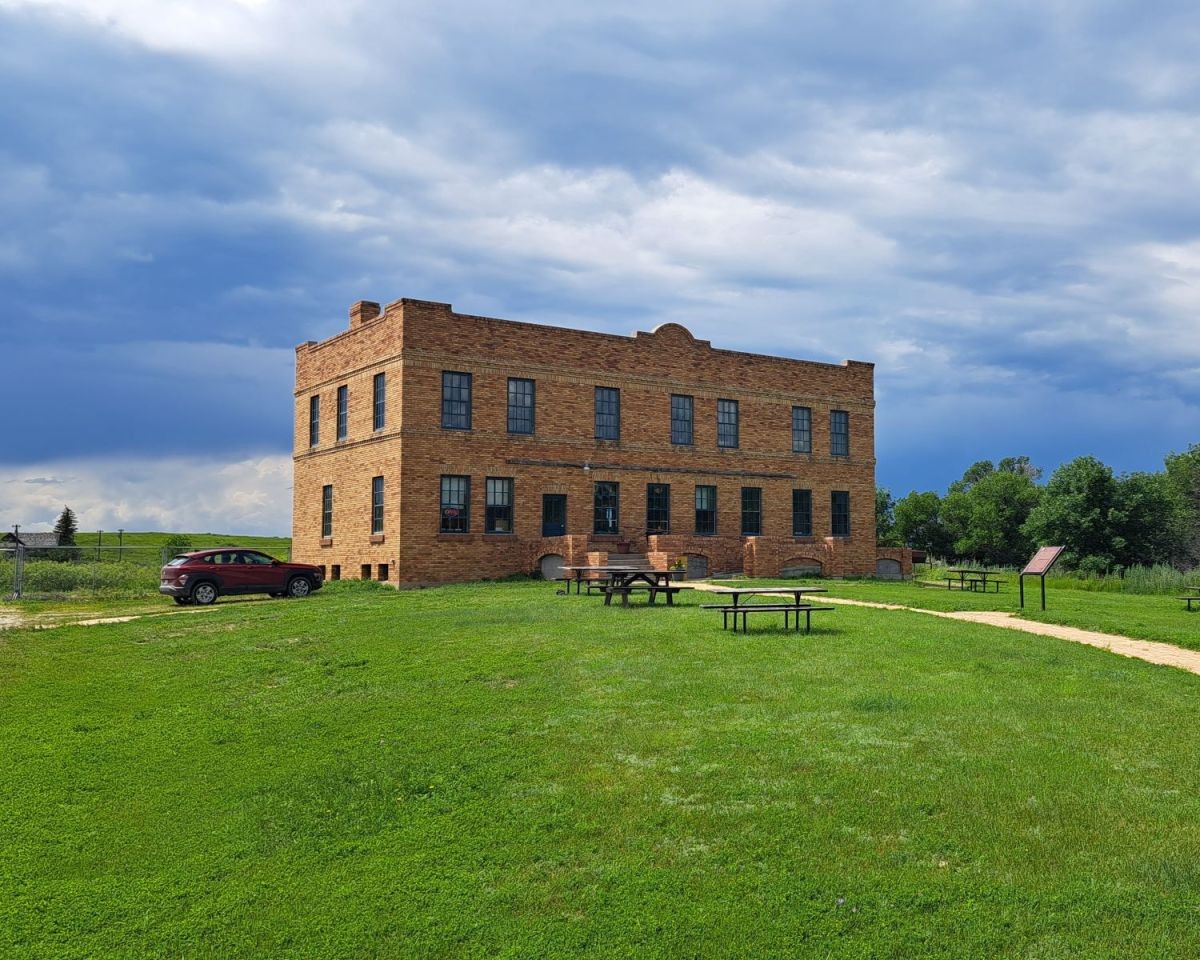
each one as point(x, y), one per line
point(343, 412)
point(802, 513)
point(728, 424)
point(522, 411)
point(327, 511)
point(752, 513)
point(498, 508)
point(314, 420)
point(379, 401)
point(801, 429)
point(458, 487)
point(456, 399)
point(608, 526)
point(377, 505)
point(704, 511)
point(839, 510)
point(658, 508)
point(839, 433)
point(608, 413)
point(683, 419)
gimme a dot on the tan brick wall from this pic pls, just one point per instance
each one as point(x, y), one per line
point(414, 341)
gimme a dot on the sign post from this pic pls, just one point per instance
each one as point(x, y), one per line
point(1039, 566)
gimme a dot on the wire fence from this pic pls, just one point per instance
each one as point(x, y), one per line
point(82, 572)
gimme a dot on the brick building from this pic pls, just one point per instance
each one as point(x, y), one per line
point(432, 446)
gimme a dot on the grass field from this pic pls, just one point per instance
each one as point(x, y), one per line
point(276, 546)
point(492, 770)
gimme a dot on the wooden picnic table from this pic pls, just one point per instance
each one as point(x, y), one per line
point(973, 580)
point(625, 580)
point(581, 575)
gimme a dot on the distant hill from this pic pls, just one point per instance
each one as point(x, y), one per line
point(275, 546)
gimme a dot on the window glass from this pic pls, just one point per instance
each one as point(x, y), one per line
point(801, 430)
point(608, 413)
point(377, 505)
point(379, 401)
point(801, 513)
point(456, 504)
point(727, 423)
point(343, 411)
point(520, 405)
point(456, 400)
point(839, 433)
point(706, 509)
point(499, 512)
point(681, 419)
point(751, 511)
point(314, 421)
point(840, 510)
point(327, 510)
point(658, 508)
point(606, 504)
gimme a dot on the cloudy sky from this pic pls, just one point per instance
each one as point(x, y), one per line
point(997, 203)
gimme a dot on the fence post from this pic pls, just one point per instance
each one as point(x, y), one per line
point(18, 571)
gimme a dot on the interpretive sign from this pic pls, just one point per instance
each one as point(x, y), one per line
point(1039, 566)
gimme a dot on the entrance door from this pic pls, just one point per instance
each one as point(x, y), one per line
point(554, 514)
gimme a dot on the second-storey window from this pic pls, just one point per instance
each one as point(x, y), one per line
point(840, 511)
point(839, 433)
point(456, 400)
point(658, 508)
point(681, 419)
point(801, 430)
point(377, 504)
point(727, 423)
point(606, 507)
point(608, 413)
point(706, 510)
point(314, 420)
point(801, 513)
point(327, 511)
point(751, 511)
point(456, 504)
point(379, 401)
point(498, 515)
point(520, 405)
point(343, 411)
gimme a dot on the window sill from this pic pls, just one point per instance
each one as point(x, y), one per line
point(445, 537)
point(805, 538)
point(377, 538)
point(496, 535)
point(327, 541)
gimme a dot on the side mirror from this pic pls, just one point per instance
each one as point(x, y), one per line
point(275, 563)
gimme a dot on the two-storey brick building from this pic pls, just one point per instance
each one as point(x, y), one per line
point(433, 446)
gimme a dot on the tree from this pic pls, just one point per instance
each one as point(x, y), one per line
point(885, 521)
point(1079, 511)
point(1149, 520)
point(66, 528)
point(1183, 474)
point(986, 517)
point(975, 472)
point(176, 544)
point(1020, 466)
point(919, 523)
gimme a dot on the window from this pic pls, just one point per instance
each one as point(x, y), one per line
point(343, 411)
point(314, 421)
point(335, 572)
point(840, 503)
point(658, 508)
point(365, 572)
point(379, 401)
point(608, 413)
point(751, 511)
point(382, 573)
point(520, 405)
point(377, 504)
point(499, 512)
point(727, 423)
point(456, 504)
point(706, 510)
point(681, 419)
point(606, 507)
point(839, 433)
point(456, 400)
point(327, 511)
point(801, 513)
point(801, 430)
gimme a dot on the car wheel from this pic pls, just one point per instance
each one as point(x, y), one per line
point(182, 601)
point(204, 594)
point(299, 587)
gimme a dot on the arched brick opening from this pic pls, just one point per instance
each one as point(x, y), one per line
point(801, 567)
point(888, 569)
point(550, 565)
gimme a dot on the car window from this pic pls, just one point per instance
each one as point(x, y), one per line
point(178, 562)
point(226, 557)
point(253, 557)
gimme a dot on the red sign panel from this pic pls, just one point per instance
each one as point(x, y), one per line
point(1043, 560)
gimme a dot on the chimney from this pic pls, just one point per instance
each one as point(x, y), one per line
point(362, 312)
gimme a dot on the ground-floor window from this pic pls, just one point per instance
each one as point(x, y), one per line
point(706, 509)
point(751, 511)
point(498, 516)
point(606, 507)
point(801, 513)
point(327, 511)
point(456, 504)
point(383, 573)
point(658, 508)
point(365, 572)
point(840, 510)
point(377, 505)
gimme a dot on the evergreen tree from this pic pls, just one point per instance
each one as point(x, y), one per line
point(66, 528)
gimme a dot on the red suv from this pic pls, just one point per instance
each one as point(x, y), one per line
point(203, 576)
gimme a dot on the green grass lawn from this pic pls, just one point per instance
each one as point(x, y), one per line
point(492, 770)
point(276, 546)
point(1145, 616)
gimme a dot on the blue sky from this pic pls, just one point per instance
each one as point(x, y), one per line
point(995, 203)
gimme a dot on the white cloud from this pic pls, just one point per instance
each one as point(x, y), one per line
point(177, 494)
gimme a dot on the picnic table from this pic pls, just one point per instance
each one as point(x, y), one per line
point(974, 580)
point(735, 607)
point(1193, 598)
point(625, 580)
point(586, 574)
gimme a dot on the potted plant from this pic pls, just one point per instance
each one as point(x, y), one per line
point(680, 567)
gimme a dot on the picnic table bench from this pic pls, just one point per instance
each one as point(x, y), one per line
point(1190, 600)
point(735, 607)
point(623, 582)
point(595, 577)
point(974, 580)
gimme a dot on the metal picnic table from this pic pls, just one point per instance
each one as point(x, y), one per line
point(736, 593)
point(975, 579)
point(624, 580)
